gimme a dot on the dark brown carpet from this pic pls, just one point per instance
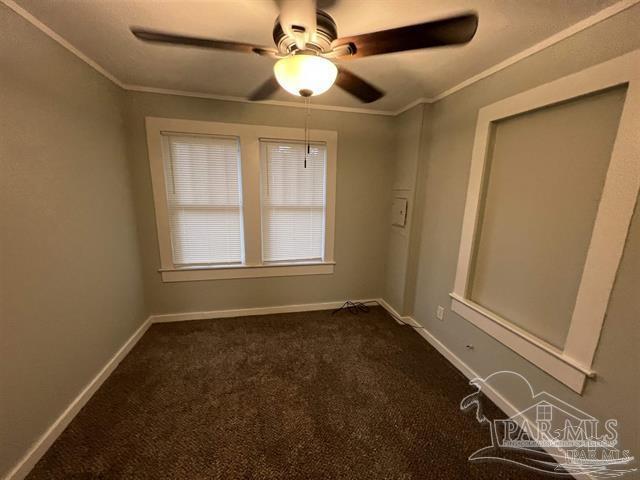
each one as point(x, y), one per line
point(304, 395)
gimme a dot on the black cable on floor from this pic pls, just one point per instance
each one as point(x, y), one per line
point(355, 308)
point(404, 324)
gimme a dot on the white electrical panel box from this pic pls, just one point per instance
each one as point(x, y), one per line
point(399, 212)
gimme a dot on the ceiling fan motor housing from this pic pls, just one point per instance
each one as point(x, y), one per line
point(326, 32)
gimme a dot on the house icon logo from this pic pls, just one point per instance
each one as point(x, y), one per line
point(549, 435)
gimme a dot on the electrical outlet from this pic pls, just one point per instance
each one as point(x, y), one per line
point(440, 313)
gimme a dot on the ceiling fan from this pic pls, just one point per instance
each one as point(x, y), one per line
point(307, 44)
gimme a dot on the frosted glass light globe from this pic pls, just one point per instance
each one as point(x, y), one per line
point(300, 73)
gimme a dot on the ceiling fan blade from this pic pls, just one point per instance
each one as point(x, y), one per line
point(356, 86)
point(264, 91)
point(171, 39)
point(449, 31)
point(298, 20)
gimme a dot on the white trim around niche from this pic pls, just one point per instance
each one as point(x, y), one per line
point(573, 363)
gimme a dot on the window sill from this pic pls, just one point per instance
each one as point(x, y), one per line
point(537, 351)
point(191, 274)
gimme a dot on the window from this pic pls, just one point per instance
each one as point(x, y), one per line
point(293, 201)
point(236, 201)
point(203, 199)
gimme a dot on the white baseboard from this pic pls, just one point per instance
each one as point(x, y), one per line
point(245, 312)
point(457, 362)
point(494, 395)
point(39, 448)
point(396, 316)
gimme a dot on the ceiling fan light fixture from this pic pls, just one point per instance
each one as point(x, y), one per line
point(303, 73)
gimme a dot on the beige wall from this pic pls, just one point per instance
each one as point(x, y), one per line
point(70, 278)
point(74, 259)
point(364, 172)
point(408, 128)
point(546, 172)
point(616, 392)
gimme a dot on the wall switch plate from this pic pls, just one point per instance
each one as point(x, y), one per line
point(440, 313)
point(399, 212)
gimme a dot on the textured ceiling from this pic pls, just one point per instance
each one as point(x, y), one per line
point(100, 29)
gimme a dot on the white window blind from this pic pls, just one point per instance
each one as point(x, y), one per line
point(204, 199)
point(293, 201)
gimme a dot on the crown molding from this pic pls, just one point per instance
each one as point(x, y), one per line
point(54, 36)
point(583, 24)
point(278, 103)
point(409, 106)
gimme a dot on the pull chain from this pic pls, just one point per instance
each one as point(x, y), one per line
point(307, 146)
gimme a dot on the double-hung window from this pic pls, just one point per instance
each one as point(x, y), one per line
point(203, 199)
point(293, 201)
point(241, 201)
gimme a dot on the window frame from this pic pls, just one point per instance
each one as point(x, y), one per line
point(250, 137)
point(263, 163)
point(167, 161)
point(572, 364)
